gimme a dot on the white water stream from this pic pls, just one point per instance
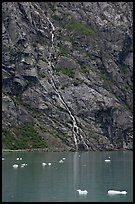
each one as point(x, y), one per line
point(78, 138)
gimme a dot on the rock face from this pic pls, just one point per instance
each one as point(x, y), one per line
point(67, 75)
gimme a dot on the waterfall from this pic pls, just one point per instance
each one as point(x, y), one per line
point(78, 138)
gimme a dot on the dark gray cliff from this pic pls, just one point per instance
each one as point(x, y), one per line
point(67, 75)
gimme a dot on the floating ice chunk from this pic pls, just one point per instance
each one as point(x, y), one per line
point(61, 161)
point(107, 160)
point(114, 192)
point(15, 166)
point(23, 164)
point(82, 192)
point(43, 164)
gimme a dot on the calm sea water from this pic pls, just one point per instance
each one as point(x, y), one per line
point(59, 182)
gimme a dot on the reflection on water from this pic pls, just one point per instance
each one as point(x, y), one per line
point(60, 181)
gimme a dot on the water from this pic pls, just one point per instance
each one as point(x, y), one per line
point(59, 182)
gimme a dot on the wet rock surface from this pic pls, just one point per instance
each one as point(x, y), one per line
point(89, 62)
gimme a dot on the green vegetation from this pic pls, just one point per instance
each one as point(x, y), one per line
point(16, 100)
point(125, 86)
point(84, 69)
point(8, 139)
point(42, 128)
point(118, 141)
point(42, 41)
point(67, 71)
point(57, 18)
point(27, 137)
point(67, 38)
point(124, 68)
point(105, 77)
point(64, 52)
point(73, 24)
point(39, 39)
point(63, 136)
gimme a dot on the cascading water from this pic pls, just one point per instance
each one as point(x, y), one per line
point(78, 138)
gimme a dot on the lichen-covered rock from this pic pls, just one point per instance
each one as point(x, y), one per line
point(65, 60)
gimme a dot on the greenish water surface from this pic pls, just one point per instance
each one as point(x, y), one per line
point(59, 181)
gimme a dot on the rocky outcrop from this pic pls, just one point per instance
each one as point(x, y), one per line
point(67, 75)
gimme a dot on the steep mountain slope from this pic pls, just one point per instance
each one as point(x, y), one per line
point(67, 75)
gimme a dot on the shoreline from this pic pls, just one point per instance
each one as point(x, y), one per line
point(39, 150)
point(59, 150)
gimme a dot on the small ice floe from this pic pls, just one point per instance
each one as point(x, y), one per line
point(114, 192)
point(85, 192)
point(15, 165)
point(49, 163)
point(23, 165)
point(61, 161)
point(3, 159)
point(19, 158)
point(63, 158)
point(44, 164)
point(107, 160)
